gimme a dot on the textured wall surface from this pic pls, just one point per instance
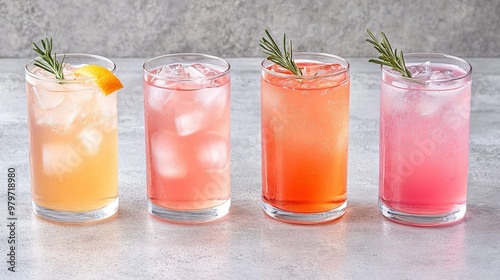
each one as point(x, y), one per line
point(129, 28)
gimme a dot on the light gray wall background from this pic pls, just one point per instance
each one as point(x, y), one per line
point(134, 28)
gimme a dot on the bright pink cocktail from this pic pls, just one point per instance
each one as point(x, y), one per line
point(424, 140)
point(186, 107)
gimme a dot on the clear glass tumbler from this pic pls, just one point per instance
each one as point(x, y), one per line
point(186, 108)
point(305, 129)
point(424, 140)
point(73, 143)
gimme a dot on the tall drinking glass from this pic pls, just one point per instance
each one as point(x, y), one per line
point(73, 143)
point(305, 125)
point(424, 140)
point(186, 107)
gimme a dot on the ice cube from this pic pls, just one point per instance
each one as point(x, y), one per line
point(47, 100)
point(279, 69)
point(213, 151)
point(171, 71)
point(59, 159)
point(82, 96)
point(167, 154)
point(60, 118)
point(88, 105)
point(109, 114)
point(431, 103)
point(290, 83)
point(189, 118)
point(157, 98)
point(68, 72)
point(110, 123)
point(421, 72)
point(106, 104)
point(90, 141)
point(200, 71)
point(86, 100)
point(441, 74)
point(183, 72)
point(325, 82)
point(315, 69)
point(163, 83)
point(205, 70)
point(193, 73)
point(212, 101)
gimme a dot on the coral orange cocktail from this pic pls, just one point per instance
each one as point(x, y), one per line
point(73, 140)
point(305, 124)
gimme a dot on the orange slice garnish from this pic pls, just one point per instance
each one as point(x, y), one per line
point(104, 79)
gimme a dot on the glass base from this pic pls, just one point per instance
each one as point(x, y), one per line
point(76, 217)
point(423, 220)
point(304, 218)
point(189, 216)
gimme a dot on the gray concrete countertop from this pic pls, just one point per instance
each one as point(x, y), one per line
point(246, 244)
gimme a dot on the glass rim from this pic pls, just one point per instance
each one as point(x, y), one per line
point(293, 76)
point(223, 73)
point(84, 80)
point(468, 72)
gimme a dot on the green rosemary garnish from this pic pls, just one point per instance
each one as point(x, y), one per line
point(387, 56)
point(283, 59)
point(48, 61)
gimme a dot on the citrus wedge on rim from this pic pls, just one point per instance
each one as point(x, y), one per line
point(105, 80)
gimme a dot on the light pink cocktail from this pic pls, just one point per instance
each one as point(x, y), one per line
point(424, 140)
point(186, 107)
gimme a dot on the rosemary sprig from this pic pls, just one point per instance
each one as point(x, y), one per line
point(48, 62)
point(283, 59)
point(387, 56)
